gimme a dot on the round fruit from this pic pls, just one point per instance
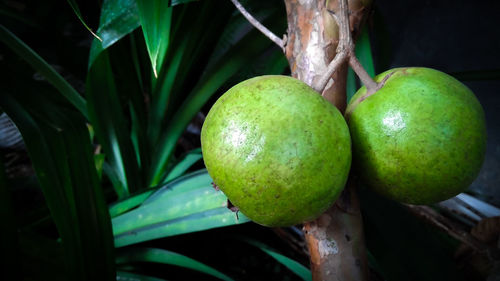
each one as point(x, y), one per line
point(278, 150)
point(419, 139)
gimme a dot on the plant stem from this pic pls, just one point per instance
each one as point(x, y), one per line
point(318, 56)
point(345, 52)
point(268, 33)
point(344, 49)
point(370, 84)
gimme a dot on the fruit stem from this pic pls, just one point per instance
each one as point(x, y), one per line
point(370, 84)
point(268, 33)
point(345, 52)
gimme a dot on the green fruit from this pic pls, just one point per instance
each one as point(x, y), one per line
point(420, 139)
point(278, 150)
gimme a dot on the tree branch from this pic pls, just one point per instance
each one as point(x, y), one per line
point(268, 33)
point(344, 48)
point(345, 51)
point(335, 239)
point(370, 84)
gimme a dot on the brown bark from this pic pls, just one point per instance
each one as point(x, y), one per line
point(335, 240)
point(313, 36)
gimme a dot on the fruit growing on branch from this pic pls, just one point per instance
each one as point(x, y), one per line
point(420, 138)
point(278, 150)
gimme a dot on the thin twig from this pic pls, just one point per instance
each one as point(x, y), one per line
point(268, 33)
point(370, 84)
point(344, 48)
point(345, 51)
point(339, 59)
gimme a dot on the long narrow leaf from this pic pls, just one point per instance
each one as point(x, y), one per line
point(191, 45)
point(118, 18)
point(108, 120)
point(40, 65)
point(129, 203)
point(185, 205)
point(294, 266)
point(184, 164)
point(156, 18)
point(76, 9)
point(253, 44)
point(58, 144)
point(167, 257)
point(189, 182)
point(128, 276)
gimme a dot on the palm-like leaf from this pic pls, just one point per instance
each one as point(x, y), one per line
point(185, 205)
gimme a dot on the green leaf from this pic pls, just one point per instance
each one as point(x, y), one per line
point(109, 123)
point(128, 276)
point(185, 205)
point(58, 144)
point(215, 77)
point(185, 162)
point(42, 67)
point(167, 257)
point(294, 266)
point(191, 181)
point(156, 18)
point(364, 52)
point(190, 47)
point(129, 203)
point(99, 163)
point(118, 18)
point(75, 8)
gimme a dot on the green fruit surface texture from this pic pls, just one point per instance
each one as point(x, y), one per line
point(420, 139)
point(278, 150)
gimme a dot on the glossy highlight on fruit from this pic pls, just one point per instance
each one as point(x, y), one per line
point(420, 139)
point(278, 150)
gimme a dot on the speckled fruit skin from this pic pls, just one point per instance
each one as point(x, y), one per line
point(278, 150)
point(420, 139)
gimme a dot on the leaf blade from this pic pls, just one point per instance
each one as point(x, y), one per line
point(58, 144)
point(294, 266)
point(185, 205)
point(156, 19)
point(184, 164)
point(118, 18)
point(40, 65)
point(168, 257)
point(78, 14)
point(108, 120)
point(204, 89)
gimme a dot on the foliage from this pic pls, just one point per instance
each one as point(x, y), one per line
point(143, 87)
